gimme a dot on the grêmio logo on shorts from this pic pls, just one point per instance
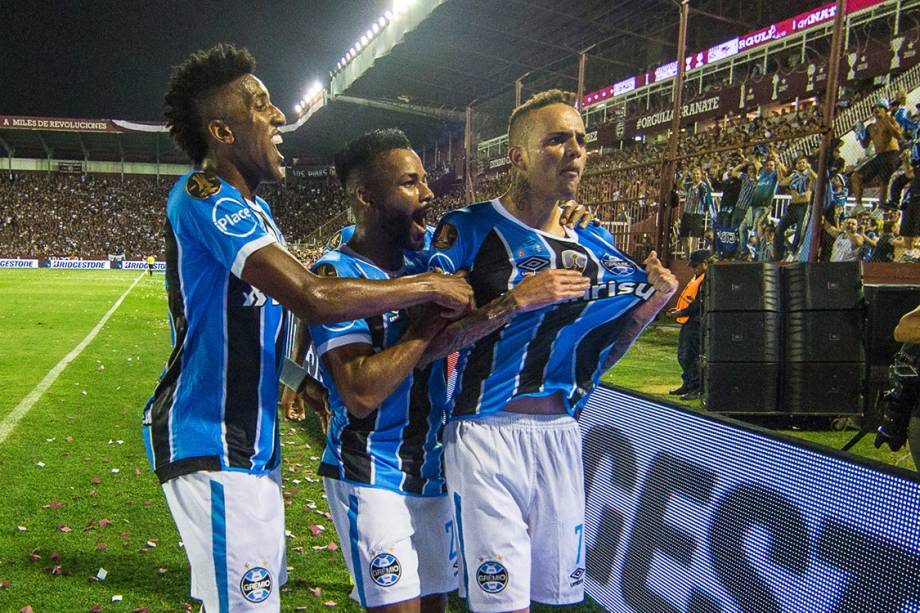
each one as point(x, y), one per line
point(492, 577)
point(385, 569)
point(256, 584)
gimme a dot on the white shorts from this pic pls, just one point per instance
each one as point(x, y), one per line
point(396, 547)
point(232, 526)
point(517, 486)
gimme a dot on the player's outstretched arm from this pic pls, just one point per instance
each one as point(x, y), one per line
point(908, 329)
point(665, 284)
point(365, 379)
point(543, 289)
point(320, 300)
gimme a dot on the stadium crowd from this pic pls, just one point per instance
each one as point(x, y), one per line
point(56, 215)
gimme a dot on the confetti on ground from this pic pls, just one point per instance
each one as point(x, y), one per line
point(26, 609)
point(21, 528)
point(56, 570)
point(330, 603)
point(64, 529)
point(316, 591)
point(40, 464)
point(96, 480)
point(104, 522)
point(316, 530)
point(101, 574)
point(115, 471)
point(5, 584)
point(117, 598)
point(54, 556)
point(162, 571)
point(96, 609)
point(152, 543)
point(101, 547)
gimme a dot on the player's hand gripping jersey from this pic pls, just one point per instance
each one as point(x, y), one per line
point(560, 348)
point(397, 447)
point(216, 404)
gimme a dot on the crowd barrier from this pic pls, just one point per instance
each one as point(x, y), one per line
point(68, 264)
point(690, 512)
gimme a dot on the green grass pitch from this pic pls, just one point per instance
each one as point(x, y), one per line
point(78, 493)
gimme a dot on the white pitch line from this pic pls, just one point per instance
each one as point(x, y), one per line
point(9, 422)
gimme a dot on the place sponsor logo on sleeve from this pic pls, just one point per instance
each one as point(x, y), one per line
point(239, 222)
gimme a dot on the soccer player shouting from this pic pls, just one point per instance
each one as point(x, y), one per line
point(512, 449)
point(382, 465)
point(211, 426)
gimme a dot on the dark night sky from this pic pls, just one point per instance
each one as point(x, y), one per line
point(108, 59)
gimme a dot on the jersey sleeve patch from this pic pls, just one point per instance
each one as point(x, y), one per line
point(445, 237)
point(202, 186)
point(326, 269)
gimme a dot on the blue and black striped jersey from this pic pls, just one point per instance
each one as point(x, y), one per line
point(398, 446)
point(215, 406)
point(556, 349)
point(418, 260)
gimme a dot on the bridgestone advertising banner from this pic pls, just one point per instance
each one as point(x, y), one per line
point(18, 263)
point(687, 512)
point(142, 265)
point(81, 264)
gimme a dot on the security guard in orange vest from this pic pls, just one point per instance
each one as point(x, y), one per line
point(688, 314)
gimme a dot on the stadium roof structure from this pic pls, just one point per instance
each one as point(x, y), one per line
point(472, 52)
point(431, 62)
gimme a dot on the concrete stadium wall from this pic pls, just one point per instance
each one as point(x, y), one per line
point(129, 168)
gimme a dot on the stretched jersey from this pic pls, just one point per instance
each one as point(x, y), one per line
point(417, 259)
point(215, 406)
point(560, 348)
point(397, 447)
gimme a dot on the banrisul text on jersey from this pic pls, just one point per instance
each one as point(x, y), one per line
point(558, 349)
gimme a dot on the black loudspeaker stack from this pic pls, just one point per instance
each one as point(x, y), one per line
point(742, 338)
point(783, 340)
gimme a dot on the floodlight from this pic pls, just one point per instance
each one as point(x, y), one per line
point(358, 45)
point(298, 109)
point(388, 15)
point(364, 39)
point(317, 86)
point(375, 28)
point(382, 22)
point(353, 52)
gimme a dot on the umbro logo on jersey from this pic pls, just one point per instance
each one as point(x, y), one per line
point(533, 264)
point(577, 577)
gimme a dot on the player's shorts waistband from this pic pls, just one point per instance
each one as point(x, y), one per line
point(527, 421)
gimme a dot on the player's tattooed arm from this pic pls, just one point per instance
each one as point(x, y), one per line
point(543, 289)
point(665, 284)
point(478, 324)
point(319, 300)
point(365, 378)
